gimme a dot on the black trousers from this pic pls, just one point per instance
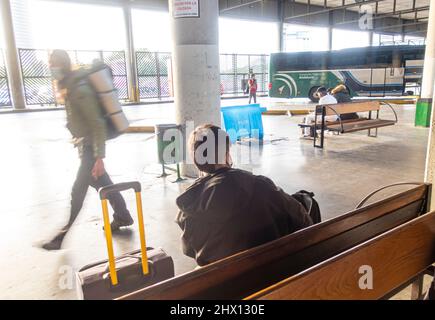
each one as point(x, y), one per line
point(253, 95)
point(85, 179)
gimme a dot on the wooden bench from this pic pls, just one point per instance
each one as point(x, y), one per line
point(346, 126)
point(392, 260)
point(247, 272)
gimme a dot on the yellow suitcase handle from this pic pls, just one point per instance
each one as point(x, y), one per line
point(104, 192)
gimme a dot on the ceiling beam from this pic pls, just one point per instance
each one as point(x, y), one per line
point(405, 11)
point(386, 15)
point(241, 5)
point(342, 7)
point(400, 25)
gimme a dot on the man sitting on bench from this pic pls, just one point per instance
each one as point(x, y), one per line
point(324, 98)
point(230, 210)
point(342, 95)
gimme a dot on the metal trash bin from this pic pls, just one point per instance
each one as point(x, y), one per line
point(169, 143)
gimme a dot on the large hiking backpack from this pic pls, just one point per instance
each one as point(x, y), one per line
point(310, 204)
point(101, 78)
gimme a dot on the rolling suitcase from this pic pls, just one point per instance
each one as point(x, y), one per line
point(113, 278)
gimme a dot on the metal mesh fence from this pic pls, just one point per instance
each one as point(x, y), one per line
point(152, 70)
point(152, 73)
point(117, 62)
point(38, 85)
point(5, 97)
point(242, 66)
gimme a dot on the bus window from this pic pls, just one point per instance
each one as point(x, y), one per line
point(374, 71)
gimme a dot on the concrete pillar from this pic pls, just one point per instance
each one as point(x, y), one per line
point(196, 69)
point(11, 54)
point(133, 84)
point(424, 104)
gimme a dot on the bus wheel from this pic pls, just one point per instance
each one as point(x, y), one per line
point(311, 94)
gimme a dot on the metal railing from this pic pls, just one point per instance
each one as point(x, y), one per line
point(5, 97)
point(38, 84)
point(408, 42)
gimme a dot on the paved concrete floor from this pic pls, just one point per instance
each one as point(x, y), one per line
point(38, 166)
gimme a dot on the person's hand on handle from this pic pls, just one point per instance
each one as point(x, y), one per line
point(98, 169)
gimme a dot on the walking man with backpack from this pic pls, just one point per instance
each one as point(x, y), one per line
point(86, 122)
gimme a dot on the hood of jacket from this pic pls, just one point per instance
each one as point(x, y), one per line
point(215, 193)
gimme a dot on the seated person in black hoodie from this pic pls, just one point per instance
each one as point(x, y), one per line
point(342, 95)
point(230, 210)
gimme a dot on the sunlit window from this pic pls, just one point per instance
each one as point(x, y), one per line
point(342, 39)
point(242, 36)
point(305, 38)
point(412, 40)
point(2, 44)
point(151, 30)
point(396, 39)
point(52, 24)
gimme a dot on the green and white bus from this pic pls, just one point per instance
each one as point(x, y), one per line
point(368, 71)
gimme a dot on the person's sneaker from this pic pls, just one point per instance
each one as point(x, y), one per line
point(307, 137)
point(54, 244)
point(117, 224)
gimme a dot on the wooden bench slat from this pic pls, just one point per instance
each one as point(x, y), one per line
point(328, 123)
point(242, 274)
point(351, 107)
point(395, 257)
point(357, 126)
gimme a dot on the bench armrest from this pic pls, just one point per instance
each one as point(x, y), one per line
point(383, 103)
point(366, 198)
point(338, 115)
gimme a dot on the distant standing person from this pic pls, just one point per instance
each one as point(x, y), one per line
point(252, 85)
point(85, 121)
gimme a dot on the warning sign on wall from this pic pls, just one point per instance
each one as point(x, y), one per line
point(185, 8)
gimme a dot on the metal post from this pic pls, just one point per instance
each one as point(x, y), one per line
point(159, 87)
point(281, 14)
point(330, 30)
point(133, 92)
point(12, 60)
point(235, 75)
